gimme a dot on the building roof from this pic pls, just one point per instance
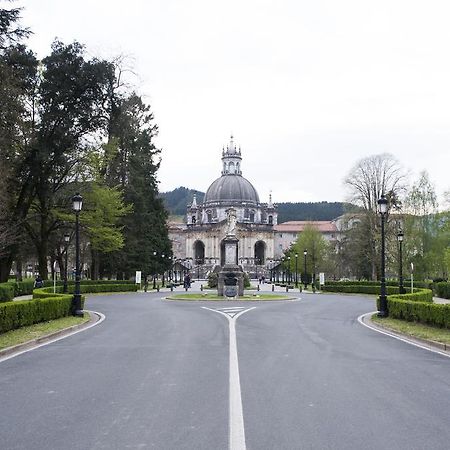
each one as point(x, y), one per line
point(231, 189)
point(297, 226)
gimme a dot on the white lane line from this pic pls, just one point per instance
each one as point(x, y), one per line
point(236, 416)
point(21, 352)
point(395, 336)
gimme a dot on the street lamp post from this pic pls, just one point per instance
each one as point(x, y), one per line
point(296, 270)
point(77, 203)
point(154, 270)
point(305, 279)
point(163, 281)
point(401, 289)
point(382, 204)
point(66, 240)
point(289, 270)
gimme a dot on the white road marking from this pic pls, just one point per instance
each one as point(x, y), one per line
point(13, 355)
point(395, 336)
point(236, 416)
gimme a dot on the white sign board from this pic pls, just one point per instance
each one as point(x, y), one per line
point(138, 277)
point(321, 278)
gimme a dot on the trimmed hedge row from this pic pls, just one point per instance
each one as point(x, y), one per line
point(27, 312)
point(442, 289)
point(358, 289)
point(406, 283)
point(424, 312)
point(47, 292)
point(6, 292)
point(47, 305)
point(12, 289)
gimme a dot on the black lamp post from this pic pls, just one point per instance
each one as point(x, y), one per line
point(296, 270)
point(66, 240)
point(289, 270)
point(154, 270)
point(382, 204)
point(163, 281)
point(305, 280)
point(77, 203)
point(401, 289)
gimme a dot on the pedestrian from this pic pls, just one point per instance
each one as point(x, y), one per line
point(38, 282)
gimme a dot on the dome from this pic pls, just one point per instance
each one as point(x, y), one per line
point(230, 189)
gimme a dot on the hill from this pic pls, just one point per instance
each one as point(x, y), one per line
point(177, 200)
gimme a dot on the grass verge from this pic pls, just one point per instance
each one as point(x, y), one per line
point(414, 329)
point(206, 296)
point(38, 330)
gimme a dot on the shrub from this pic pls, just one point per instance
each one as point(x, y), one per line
point(424, 312)
point(213, 279)
point(6, 292)
point(442, 289)
point(246, 280)
point(46, 305)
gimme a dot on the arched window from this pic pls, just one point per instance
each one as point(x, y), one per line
point(270, 220)
point(231, 167)
point(209, 215)
point(252, 216)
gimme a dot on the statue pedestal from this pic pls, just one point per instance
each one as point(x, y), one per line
point(231, 278)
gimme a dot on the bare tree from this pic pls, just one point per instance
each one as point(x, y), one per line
point(367, 181)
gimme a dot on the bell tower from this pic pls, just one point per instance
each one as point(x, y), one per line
point(231, 159)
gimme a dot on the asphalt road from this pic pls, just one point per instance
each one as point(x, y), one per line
point(156, 374)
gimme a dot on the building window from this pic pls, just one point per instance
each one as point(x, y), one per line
point(252, 216)
point(209, 215)
point(271, 220)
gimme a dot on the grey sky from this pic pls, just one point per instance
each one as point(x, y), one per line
point(307, 87)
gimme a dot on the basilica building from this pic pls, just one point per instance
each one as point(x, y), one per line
point(200, 239)
point(198, 243)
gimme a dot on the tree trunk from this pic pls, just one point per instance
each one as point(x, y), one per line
point(5, 267)
point(95, 265)
point(42, 253)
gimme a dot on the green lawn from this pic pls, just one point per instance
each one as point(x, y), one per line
point(206, 296)
point(415, 329)
point(38, 330)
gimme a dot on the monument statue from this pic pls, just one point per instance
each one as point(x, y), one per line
point(231, 222)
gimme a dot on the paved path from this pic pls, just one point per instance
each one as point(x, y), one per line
point(156, 374)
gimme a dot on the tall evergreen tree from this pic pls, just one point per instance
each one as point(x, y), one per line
point(132, 163)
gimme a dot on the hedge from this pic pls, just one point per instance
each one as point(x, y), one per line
point(424, 312)
point(358, 289)
point(27, 312)
point(406, 283)
point(46, 305)
point(442, 289)
point(46, 292)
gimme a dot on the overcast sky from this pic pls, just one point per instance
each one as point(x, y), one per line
point(307, 88)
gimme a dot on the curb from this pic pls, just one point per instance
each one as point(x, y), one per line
point(14, 350)
point(437, 347)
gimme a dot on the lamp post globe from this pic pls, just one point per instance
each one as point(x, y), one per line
point(400, 236)
point(305, 279)
point(382, 208)
point(77, 204)
point(66, 241)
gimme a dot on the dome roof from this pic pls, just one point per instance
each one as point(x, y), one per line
point(229, 189)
